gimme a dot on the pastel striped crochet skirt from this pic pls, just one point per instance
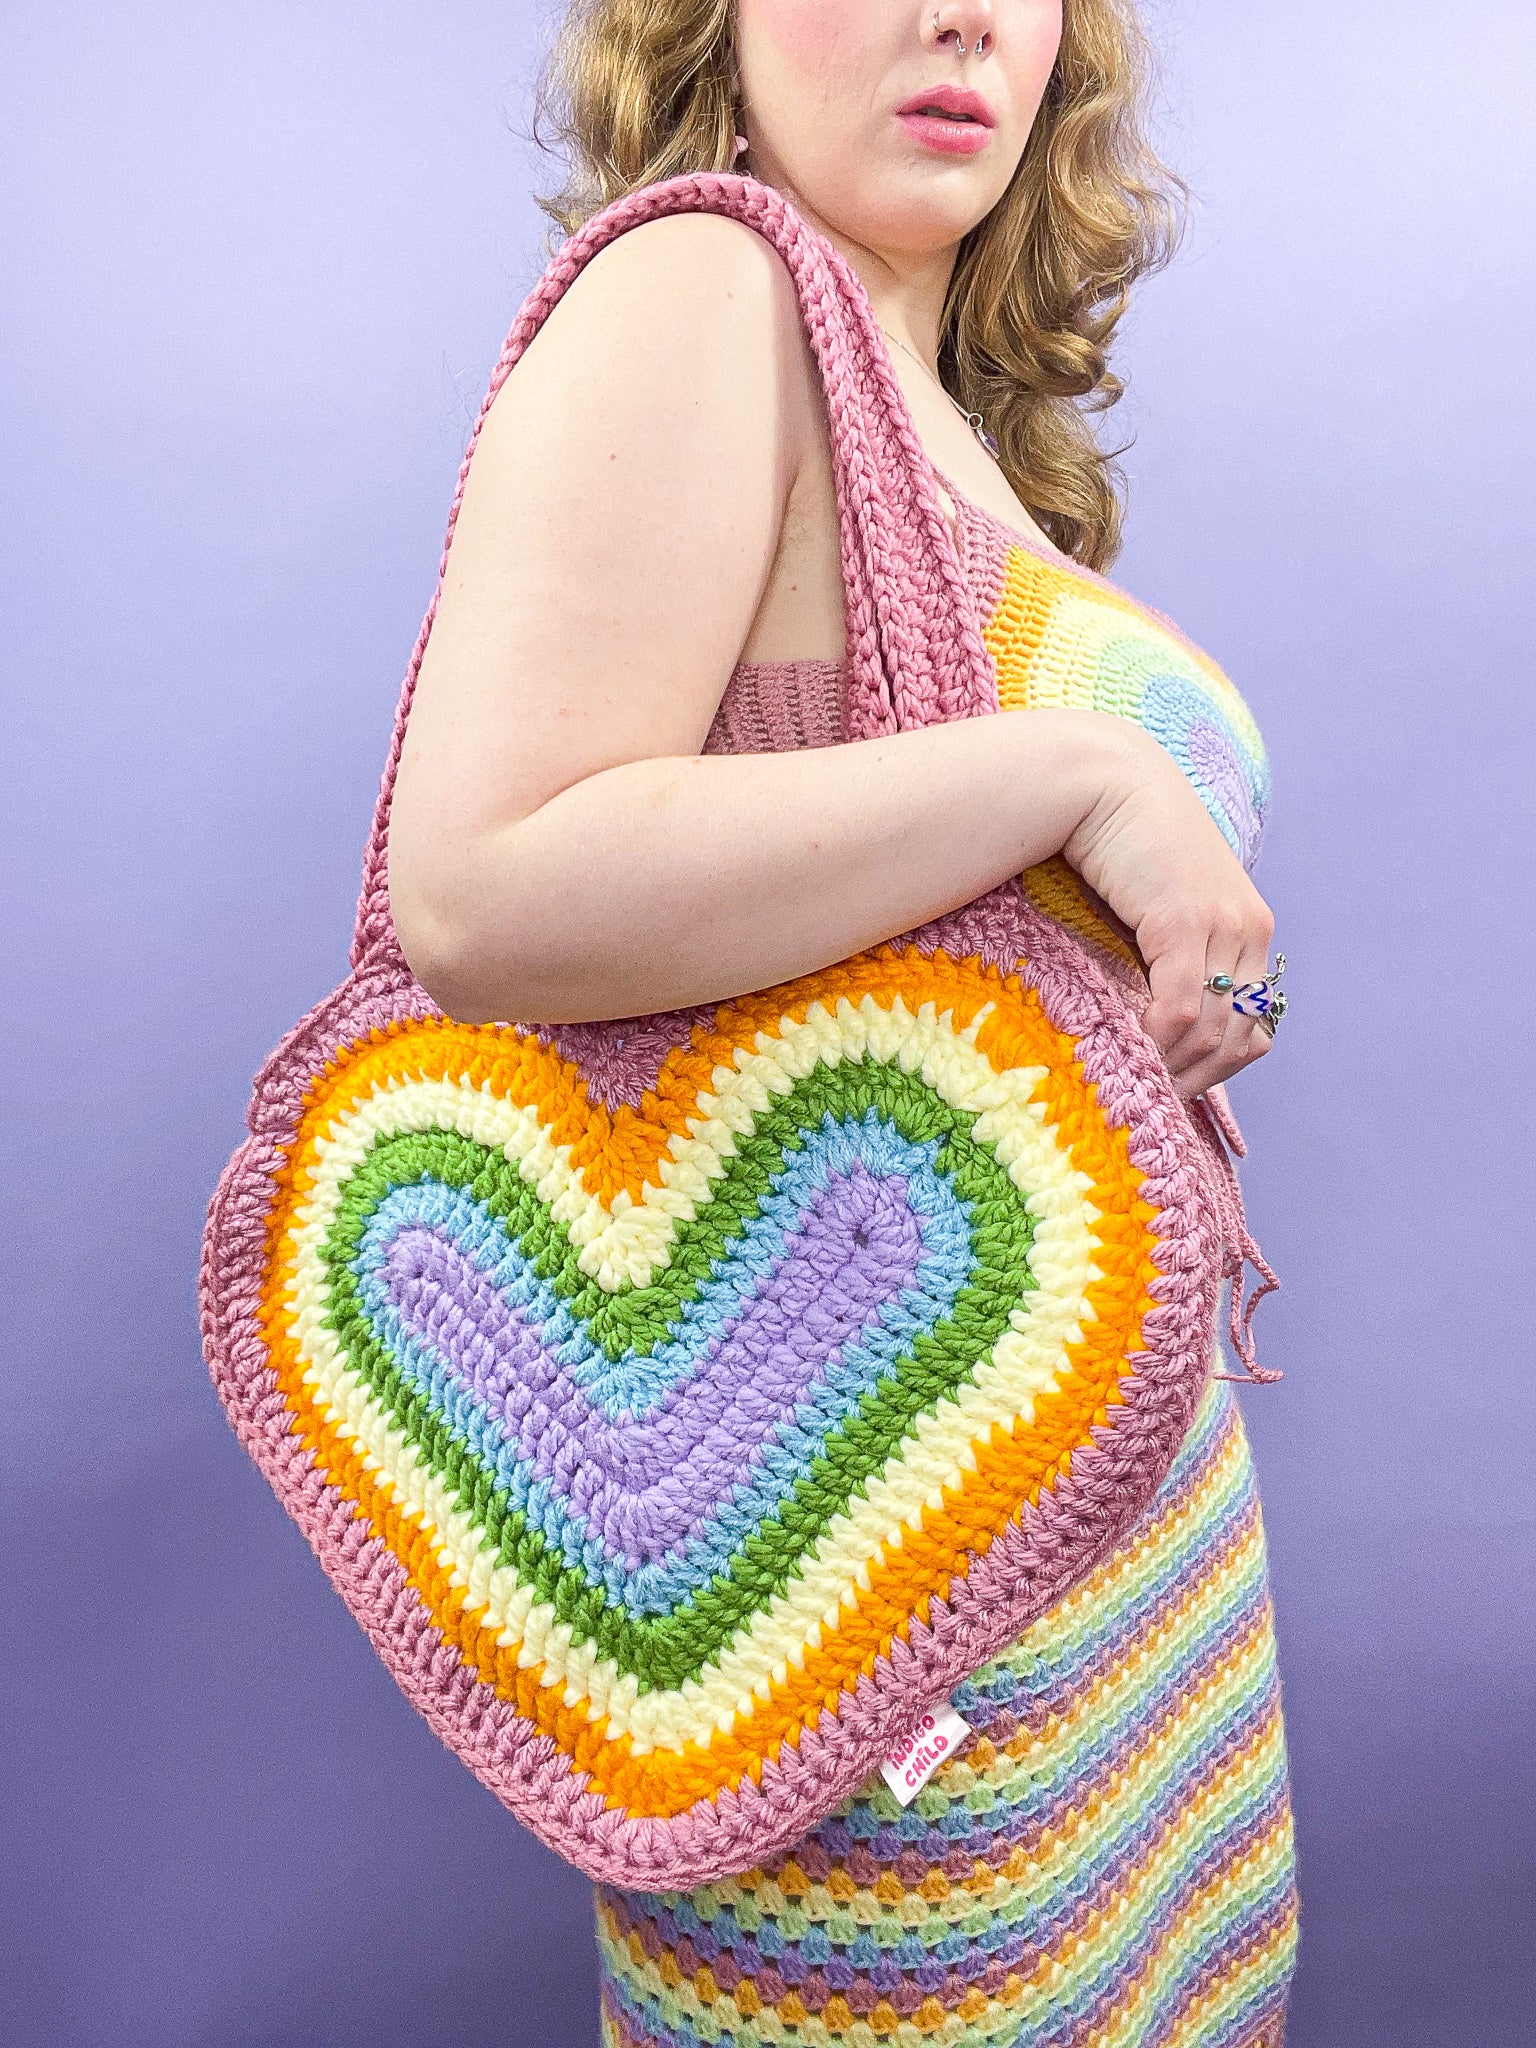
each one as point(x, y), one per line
point(1108, 1861)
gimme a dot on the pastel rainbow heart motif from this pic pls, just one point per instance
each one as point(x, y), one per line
point(676, 1415)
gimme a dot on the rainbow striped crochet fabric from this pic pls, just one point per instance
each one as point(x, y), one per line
point(685, 1403)
point(676, 1396)
point(1061, 637)
point(1107, 1860)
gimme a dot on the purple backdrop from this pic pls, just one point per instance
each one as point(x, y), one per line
point(259, 263)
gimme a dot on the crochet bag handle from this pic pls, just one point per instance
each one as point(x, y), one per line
point(915, 653)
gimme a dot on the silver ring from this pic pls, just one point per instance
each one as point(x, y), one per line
point(959, 46)
point(1263, 1000)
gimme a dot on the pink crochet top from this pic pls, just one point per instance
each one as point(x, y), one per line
point(772, 707)
point(1057, 634)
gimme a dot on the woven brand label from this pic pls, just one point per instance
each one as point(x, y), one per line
point(912, 1763)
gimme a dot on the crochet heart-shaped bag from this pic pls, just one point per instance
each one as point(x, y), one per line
point(684, 1404)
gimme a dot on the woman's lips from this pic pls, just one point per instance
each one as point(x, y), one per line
point(942, 133)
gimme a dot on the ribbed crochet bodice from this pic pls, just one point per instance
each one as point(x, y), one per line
point(1059, 635)
point(771, 707)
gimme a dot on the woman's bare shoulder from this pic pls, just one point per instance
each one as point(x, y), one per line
point(681, 247)
point(679, 261)
point(619, 524)
point(689, 326)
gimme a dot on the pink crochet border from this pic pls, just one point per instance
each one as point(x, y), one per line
point(914, 656)
point(1033, 1563)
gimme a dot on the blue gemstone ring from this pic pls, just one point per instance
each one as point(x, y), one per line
point(1263, 1000)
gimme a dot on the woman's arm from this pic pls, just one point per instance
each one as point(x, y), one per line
point(560, 850)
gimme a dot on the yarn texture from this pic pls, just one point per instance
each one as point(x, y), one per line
point(1107, 1860)
point(683, 1404)
point(1110, 1858)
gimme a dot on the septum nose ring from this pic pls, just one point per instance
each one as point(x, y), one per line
point(959, 46)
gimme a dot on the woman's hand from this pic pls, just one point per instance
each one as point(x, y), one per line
point(1152, 851)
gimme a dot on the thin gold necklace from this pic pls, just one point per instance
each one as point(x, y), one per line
point(973, 420)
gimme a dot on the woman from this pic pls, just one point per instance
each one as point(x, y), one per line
point(651, 518)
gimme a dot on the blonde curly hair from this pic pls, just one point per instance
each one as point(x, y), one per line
point(641, 90)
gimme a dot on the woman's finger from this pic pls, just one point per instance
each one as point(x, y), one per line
point(1174, 1017)
point(1204, 1074)
point(1242, 1038)
point(1197, 1036)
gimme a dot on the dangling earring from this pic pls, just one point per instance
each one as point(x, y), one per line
point(742, 145)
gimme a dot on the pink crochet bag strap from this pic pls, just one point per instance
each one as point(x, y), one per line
point(914, 649)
